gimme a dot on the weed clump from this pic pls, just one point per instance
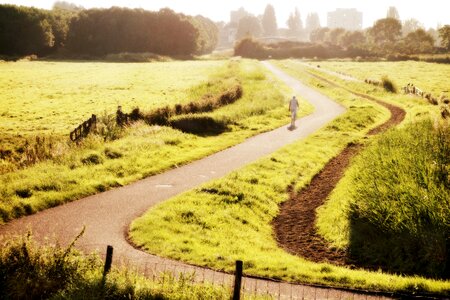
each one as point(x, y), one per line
point(28, 271)
point(24, 193)
point(92, 159)
point(112, 154)
point(388, 84)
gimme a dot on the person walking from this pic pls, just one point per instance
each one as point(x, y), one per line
point(293, 107)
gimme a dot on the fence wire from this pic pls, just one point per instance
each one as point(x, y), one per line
point(166, 271)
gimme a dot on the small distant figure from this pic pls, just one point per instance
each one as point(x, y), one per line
point(293, 107)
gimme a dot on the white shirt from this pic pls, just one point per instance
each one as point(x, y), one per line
point(293, 105)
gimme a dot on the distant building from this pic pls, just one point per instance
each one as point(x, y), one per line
point(347, 18)
point(227, 34)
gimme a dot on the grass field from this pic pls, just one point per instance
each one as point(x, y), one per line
point(230, 218)
point(55, 97)
point(429, 77)
point(143, 150)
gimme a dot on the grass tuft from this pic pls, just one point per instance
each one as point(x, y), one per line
point(388, 84)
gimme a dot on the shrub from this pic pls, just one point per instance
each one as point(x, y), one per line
point(111, 154)
point(24, 193)
point(388, 84)
point(108, 128)
point(27, 272)
point(92, 159)
point(250, 48)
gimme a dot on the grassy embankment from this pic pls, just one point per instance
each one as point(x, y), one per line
point(230, 218)
point(28, 271)
point(56, 104)
point(396, 191)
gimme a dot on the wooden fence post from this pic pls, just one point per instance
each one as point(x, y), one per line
point(238, 280)
point(108, 261)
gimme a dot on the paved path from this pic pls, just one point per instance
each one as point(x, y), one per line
point(333, 73)
point(107, 215)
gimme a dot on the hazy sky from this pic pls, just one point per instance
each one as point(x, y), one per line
point(428, 12)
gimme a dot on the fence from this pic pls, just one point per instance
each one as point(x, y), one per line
point(237, 285)
point(84, 129)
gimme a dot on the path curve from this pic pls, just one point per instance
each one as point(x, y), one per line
point(295, 225)
point(106, 216)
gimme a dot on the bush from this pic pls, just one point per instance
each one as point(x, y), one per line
point(92, 159)
point(161, 116)
point(24, 193)
point(108, 128)
point(388, 84)
point(250, 48)
point(27, 272)
point(112, 154)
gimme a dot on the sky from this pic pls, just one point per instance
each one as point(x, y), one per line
point(430, 13)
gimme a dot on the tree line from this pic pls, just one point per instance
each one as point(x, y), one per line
point(387, 36)
point(384, 39)
point(98, 32)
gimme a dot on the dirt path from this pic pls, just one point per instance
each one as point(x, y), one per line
point(106, 216)
point(295, 225)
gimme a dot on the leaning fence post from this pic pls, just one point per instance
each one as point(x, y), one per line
point(108, 261)
point(237, 280)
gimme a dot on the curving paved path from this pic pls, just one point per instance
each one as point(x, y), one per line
point(106, 216)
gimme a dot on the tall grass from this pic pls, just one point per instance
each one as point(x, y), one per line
point(30, 271)
point(399, 191)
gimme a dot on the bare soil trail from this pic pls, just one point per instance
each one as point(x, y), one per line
point(107, 216)
point(295, 225)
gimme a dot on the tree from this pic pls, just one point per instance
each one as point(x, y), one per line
point(318, 35)
point(25, 31)
point(67, 6)
point(385, 31)
point(115, 30)
point(269, 21)
point(312, 23)
point(444, 34)
point(208, 34)
point(352, 38)
point(418, 41)
point(411, 25)
point(249, 26)
point(392, 13)
point(334, 35)
point(294, 23)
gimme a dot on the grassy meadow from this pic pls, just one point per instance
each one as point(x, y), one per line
point(429, 77)
point(139, 150)
point(55, 97)
point(229, 219)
